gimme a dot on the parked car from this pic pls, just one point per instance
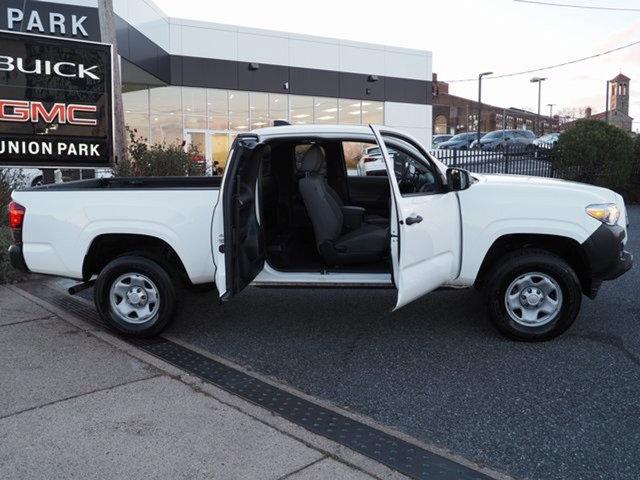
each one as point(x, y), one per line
point(461, 141)
point(501, 139)
point(438, 139)
point(533, 247)
point(371, 162)
point(547, 140)
point(24, 177)
point(544, 144)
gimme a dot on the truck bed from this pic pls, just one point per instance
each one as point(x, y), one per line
point(62, 221)
point(144, 183)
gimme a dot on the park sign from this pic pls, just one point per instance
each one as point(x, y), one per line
point(55, 102)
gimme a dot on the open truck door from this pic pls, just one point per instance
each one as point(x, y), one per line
point(425, 218)
point(241, 250)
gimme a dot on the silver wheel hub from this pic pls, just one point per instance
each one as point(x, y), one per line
point(533, 299)
point(134, 298)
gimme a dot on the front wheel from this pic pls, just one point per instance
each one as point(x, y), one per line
point(533, 295)
point(135, 296)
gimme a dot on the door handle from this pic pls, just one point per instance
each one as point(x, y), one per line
point(412, 220)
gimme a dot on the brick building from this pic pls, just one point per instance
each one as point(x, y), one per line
point(453, 114)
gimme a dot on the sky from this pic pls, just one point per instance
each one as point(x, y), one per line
point(467, 37)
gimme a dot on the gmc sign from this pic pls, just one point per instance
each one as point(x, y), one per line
point(55, 102)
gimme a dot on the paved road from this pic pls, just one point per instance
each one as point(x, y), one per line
point(568, 408)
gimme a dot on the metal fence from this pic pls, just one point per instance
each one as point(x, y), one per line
point(510, 159)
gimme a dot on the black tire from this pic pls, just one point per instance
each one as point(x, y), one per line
point(511, 267)
point(166, 292)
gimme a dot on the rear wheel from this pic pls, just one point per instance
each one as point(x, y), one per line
point(533, 295)
point(135, 296)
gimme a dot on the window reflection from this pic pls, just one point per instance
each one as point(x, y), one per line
point(349, 112)
point(278, 107)
point(259, 110)
point(165, 129)
point(136, 101)
point(217, 109)
point(325, 110)
point(301, 110)
point(166, 100)
point(372, 113)
point(238, 111)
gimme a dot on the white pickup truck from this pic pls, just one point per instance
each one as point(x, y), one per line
point(286, 214)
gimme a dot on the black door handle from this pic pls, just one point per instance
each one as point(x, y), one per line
point(412, 220)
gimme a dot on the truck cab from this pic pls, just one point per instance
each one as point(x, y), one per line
point(293, 216)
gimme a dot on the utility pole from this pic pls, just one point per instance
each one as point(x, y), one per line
point(480, 102)
point(606, 107)
point(108, 35)
point(539, 81)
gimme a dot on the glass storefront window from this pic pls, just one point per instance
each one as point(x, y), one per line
point(278, 107)
point(138, 123)
point(194, 101)
point(195, 121)
point(166, 100)
point(238, 111)
point(171, 114)
point(372, 113)
point(301, 110)
point(259, 110)
point(349, 112)
point(325, 110)
point(217, 109)
point(136, 101)
point(166, 129)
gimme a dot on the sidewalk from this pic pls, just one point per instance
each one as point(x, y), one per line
point(76, 402)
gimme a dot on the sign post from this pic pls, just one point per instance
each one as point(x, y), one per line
point(56, 102)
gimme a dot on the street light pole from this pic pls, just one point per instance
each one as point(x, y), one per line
point(539, 81)
point(480, 101)
point(551, 105)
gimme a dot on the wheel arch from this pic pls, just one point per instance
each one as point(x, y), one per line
point(565, 247)
point(105, 248)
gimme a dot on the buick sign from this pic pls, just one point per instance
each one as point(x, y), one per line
point(55, 102)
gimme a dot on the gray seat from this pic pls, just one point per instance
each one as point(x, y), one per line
point(337, 245)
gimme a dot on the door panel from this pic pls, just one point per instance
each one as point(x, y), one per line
point(371, 193)
point(244, 243)
point(425, 228)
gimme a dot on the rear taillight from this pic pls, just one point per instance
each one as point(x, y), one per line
point(369, 159)
point(16, 219)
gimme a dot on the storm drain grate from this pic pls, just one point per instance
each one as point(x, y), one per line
point(393, 452)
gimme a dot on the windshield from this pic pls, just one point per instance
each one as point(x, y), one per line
point(492, 135)
point(461, 136)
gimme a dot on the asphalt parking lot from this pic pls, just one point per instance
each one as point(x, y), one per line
point(569, 408)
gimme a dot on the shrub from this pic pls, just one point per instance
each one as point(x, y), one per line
point(595, 152)
point(7, 273)
point(8, 178)
point(159, 159)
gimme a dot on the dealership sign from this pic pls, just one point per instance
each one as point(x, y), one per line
point(49, 18)
point(55, 102)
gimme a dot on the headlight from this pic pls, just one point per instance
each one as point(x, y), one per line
point(608, 213)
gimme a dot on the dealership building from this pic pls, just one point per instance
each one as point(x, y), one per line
point(205, 82)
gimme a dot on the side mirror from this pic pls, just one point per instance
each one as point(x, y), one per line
point(458, 179)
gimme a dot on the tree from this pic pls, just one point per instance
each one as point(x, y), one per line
point(595, 152)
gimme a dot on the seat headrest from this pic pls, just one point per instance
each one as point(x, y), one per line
point(313, 159)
